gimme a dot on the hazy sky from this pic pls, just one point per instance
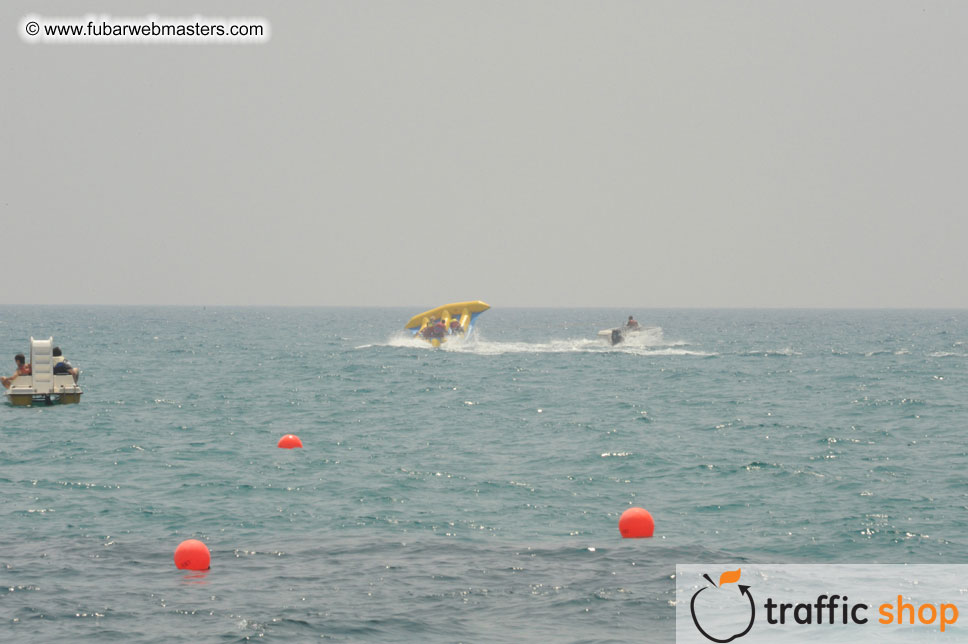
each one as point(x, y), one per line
point(552, 153)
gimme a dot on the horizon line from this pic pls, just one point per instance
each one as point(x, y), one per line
point(513, 306)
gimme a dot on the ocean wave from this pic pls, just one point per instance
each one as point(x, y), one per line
point(674, 352)
point(772, 353)
point(567, 346)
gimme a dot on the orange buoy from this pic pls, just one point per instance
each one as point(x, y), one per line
point(289, 441)
point(192, 555)
point(636, 523)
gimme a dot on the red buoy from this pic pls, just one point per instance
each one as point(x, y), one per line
point(636, 523)
point(192, 555)
point(289, 441)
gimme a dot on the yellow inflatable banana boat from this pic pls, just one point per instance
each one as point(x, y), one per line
point(438, 325)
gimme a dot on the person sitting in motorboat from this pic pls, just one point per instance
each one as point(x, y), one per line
point(23, 369)
point(62, 366)
point(440, 329)
point(632, 324)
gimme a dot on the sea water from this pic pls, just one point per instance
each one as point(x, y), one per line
point(470, 493)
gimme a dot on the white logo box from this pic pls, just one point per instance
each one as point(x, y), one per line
point(779, 603)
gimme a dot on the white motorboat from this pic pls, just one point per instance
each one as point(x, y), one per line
point(622, 333)
point(43, 385)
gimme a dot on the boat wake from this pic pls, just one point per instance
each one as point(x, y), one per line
point(651, 343)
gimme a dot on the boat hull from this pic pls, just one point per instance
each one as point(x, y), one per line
point(620, 334)
point(28, 399)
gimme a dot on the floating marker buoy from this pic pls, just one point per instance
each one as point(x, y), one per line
point(192, 555)
point(289, 441)
point(636, 523)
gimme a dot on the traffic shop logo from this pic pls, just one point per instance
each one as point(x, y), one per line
point(743, 603)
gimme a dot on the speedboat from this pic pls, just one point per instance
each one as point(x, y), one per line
point(623, 333)
point(446, 322)
point(43, 385)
